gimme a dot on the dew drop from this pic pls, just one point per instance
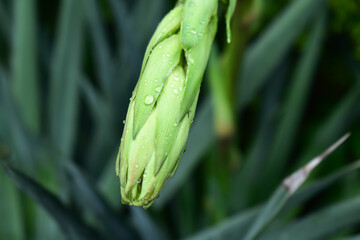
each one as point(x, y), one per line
point(136, 166)
point(176, 78)
point(175, 91)
point(124, 122)
point(149, 99)
point(158, 89)
point(172, 85)
point(139, 180)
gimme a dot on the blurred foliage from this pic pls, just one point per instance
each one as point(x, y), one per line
point(290, 81)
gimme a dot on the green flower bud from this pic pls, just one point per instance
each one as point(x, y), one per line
point(163, 105)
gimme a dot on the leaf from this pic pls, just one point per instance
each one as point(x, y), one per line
point(294, 105)
point(65, 77)
point(273, 45)
point(319, 185)
point(92, 201)
point(246, 178)
point(24, 64)
point(339, 121)
point(67, 220)
point(145, 225)
point(357, 237)
point(104, 137)
point(14, 133)
point(232, 228)
point(102, 56)
point(10, 209)
point(316, 226)
point(229, 13)
point(5, 23)
point(283, 193)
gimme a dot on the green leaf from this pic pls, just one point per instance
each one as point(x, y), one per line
point(283, 193)
point(102, 56)
point(294, 103)
point(67, 220)
point(357, 237)
point(319, 185)
point(24, 65)
point(14, 133)
point(339, 121)
point(88, 197)
point(104, 137)
point(5, 24)
point(65, 77)
point(145, 225)
point(236, 226)
point(232, 228)
point(316, 226)
point(10, 209)
point(229, 13)
point(247, 177)
point(272, 46)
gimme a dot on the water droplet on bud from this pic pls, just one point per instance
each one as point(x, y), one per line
point(149, 99)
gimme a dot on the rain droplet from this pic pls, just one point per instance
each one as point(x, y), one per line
point(158, 89)
point(136, 166)
point(139, 180)
point(149, 99)
point(168, 55)
point(176, 78)
point(175, 91)
point(172, 85)
point(175, 124)
point(124, 122)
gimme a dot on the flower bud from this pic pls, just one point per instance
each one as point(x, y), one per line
point(163, 105)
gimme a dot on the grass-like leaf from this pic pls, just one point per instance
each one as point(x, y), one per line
point(102, 56)
point(71, 224)
point(24, 65)
point(13, 227)
point(88, 196)
point(294, 104)
point(340, 216)
point(236, 226)
point(283, 193)
point(233, 228)
point(65, 77)
point(272, 46)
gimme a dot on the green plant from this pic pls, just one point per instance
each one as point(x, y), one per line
point(281, 92)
